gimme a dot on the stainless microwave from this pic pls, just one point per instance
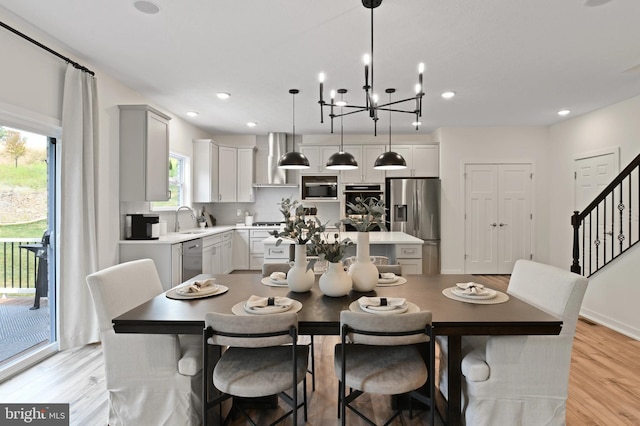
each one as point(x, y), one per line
point(320, 187)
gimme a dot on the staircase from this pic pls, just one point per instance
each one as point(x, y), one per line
point(608, 226)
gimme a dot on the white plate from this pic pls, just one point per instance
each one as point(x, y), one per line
point(408, 308)
point(486, 294)
point(239, 309)
point(273, 283)
point(396, 281)
point(174, 294)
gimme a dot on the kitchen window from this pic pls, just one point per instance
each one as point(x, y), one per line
point(176, 184)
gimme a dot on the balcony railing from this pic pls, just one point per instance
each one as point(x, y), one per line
point(18, 266)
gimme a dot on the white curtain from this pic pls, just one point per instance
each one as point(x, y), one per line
point(77, 233)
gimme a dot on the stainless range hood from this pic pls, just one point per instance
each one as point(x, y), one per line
point(276, 177)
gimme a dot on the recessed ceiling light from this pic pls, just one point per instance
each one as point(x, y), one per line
point(223, 95)
point(192, 114)
point(564, 112)
point(448, 95)
point(252, 124)
point(147, 7)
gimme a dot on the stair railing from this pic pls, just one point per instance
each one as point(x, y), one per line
point(608, 226)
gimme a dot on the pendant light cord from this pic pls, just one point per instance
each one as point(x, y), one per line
point(389, 124)
point(293, 95)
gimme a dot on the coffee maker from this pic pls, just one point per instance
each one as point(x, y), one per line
point(142, 227)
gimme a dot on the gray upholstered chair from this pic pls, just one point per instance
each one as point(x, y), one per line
point(267, 270)
point(380, 354)
point(522, 380)
point(270, 268)
point(262, 358)
point(396, 269)
point(152, 379)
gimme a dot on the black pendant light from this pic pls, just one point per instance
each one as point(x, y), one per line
point(390, 160)
point(342, 160)
point(293, 159)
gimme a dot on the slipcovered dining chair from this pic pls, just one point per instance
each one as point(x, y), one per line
point(267, 270)
point(261, 358)
point(522, 380)
point(380, 354)
point(152, 379)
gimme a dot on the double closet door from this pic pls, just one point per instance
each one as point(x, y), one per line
point(498, 217)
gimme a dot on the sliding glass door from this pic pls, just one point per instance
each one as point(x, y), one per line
point(27, 236)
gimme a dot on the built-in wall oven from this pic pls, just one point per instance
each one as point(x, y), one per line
point(362, 191)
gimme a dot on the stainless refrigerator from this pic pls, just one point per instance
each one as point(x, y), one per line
point(413, 207)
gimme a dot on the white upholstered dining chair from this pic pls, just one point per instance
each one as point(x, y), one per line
point(522, 380)
point(152, 379)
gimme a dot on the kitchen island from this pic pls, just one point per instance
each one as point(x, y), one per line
point(399, 247)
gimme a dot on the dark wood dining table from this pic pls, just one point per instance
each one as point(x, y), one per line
point(320, 315)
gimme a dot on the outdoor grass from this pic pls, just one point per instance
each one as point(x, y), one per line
point(33, 175)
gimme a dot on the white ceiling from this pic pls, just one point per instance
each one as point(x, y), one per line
point(511, 62)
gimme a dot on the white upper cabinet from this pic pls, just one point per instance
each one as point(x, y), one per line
point(422, 161)
point(205, 171)
point(366, 156)
point(144, 154)
point(227, 173)
point(245, 175)
point(318, 156)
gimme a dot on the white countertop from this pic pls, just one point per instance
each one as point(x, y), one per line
point(374, 238)
point(191, 234)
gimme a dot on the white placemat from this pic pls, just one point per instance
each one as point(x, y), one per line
point(173, 293)
point(268, 281)
point(500, 297)
point(398, 281)
point(238, 309)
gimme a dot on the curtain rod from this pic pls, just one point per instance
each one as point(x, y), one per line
point(42, 46)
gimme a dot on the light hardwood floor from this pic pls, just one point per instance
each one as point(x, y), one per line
point(604, 383)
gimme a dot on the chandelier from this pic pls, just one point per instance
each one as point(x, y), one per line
point(371, 104)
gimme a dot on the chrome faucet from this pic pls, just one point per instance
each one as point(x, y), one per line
point(178, 218)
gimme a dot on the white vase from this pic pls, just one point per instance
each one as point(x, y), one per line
point(335, 282)
point(299, 278)
point(363, 272)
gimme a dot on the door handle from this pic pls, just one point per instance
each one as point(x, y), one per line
point(493, 224)
point(503, 224)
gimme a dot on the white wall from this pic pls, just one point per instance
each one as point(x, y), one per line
point(31, 91)
point(490, 145)
point(612, 292)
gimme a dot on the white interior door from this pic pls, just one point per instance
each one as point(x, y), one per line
point(481, 218)
point(498, 217)
point(592, 174)
point(514, 215)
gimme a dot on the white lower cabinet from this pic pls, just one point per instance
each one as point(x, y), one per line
point(176, 264)
point(227, 252)
point(256, 248)
point(212, 254)
point(409, 256)
point(167, 258)
point(240, 249)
